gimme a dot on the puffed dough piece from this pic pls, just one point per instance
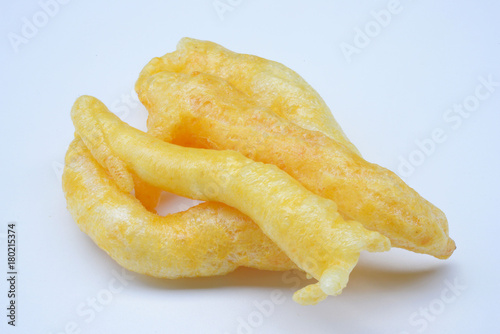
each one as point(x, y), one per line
point(305, 226)
point(291, 97)
point(273, 85)
point(208, 239)
point(205, 111)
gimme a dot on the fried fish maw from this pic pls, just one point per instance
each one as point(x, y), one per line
point(208, 239)
point(305, 226)
point(201, 110)
point(275, 86)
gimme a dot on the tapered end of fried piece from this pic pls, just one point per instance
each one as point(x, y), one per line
point(309, 295)
point(447, 251)
point(90, 131)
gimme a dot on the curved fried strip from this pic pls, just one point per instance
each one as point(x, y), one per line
point(273, 85)
point(305, 226)
point(208, 239)
point(201, 110)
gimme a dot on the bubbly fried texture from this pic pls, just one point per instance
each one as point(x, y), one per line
point(206, 111)
point(208, 239)
point(275, 86)
point(291, 97)
point(305, 226)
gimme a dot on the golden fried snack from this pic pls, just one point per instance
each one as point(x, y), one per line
point(305, 226)
point(273, 85)
point(208, 239)
point(205, 111)
point(291, 97)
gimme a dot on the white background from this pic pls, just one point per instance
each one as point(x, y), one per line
point(389, 95)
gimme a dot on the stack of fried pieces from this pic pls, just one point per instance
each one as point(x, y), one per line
point(284, 187)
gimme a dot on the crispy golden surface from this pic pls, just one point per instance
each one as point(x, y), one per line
point(275, 86)
point(305, 226)
point(252, 134)
point(208, 239)
point(202, 110)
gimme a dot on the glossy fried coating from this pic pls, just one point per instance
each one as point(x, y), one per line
point(202, 110)
point(208, 239)
point(273, 85)
point(305, 226)
point(291, 97)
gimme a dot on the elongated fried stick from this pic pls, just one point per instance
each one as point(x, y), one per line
point(305, 226)
point(208, 239)
point(201, 110)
